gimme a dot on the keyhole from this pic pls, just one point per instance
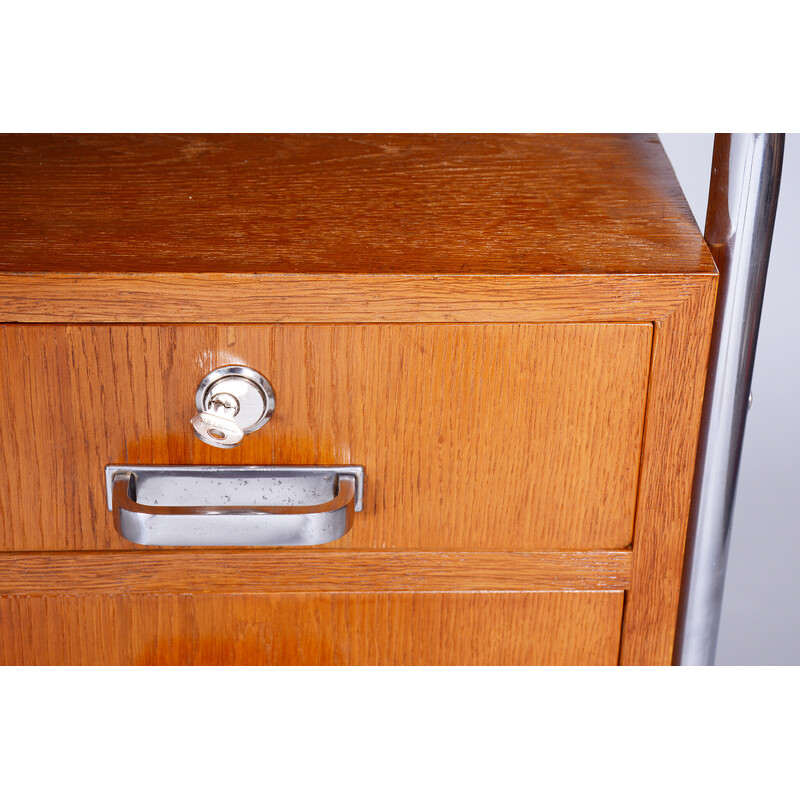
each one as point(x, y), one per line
point(224, 403)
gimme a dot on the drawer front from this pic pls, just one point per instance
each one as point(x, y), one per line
point(499, 437)
point(323, 628)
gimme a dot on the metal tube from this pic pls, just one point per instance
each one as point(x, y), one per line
point(743, 197)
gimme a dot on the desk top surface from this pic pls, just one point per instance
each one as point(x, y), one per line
point(446, 204)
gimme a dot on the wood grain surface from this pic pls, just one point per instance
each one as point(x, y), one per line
point(493, 437)
point(445, 204)
point(309, 570)
point(680, 357)
point(401, 628)
point(316, 299)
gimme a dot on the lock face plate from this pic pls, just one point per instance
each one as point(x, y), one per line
point(249, 389)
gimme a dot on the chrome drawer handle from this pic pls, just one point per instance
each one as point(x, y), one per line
point(219, 506)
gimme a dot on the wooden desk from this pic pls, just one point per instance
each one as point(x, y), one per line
point(509, 333)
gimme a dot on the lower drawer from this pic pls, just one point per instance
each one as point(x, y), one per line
point(291, 628)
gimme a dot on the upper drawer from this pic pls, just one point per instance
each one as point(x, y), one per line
point(501, 437)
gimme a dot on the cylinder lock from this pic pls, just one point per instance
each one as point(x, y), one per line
point(231, 402)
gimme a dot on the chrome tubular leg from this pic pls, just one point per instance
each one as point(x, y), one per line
point(745, 180)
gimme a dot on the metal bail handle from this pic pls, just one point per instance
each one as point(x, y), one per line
point(187, 506)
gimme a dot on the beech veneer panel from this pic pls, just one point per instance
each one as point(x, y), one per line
point(493, 437)
point(465, 203)
point(293, 629)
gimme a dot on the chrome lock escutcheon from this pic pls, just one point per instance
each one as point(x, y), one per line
point(231, 402)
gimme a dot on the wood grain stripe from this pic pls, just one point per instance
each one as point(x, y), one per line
point(258, 571)
point(273, 298)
